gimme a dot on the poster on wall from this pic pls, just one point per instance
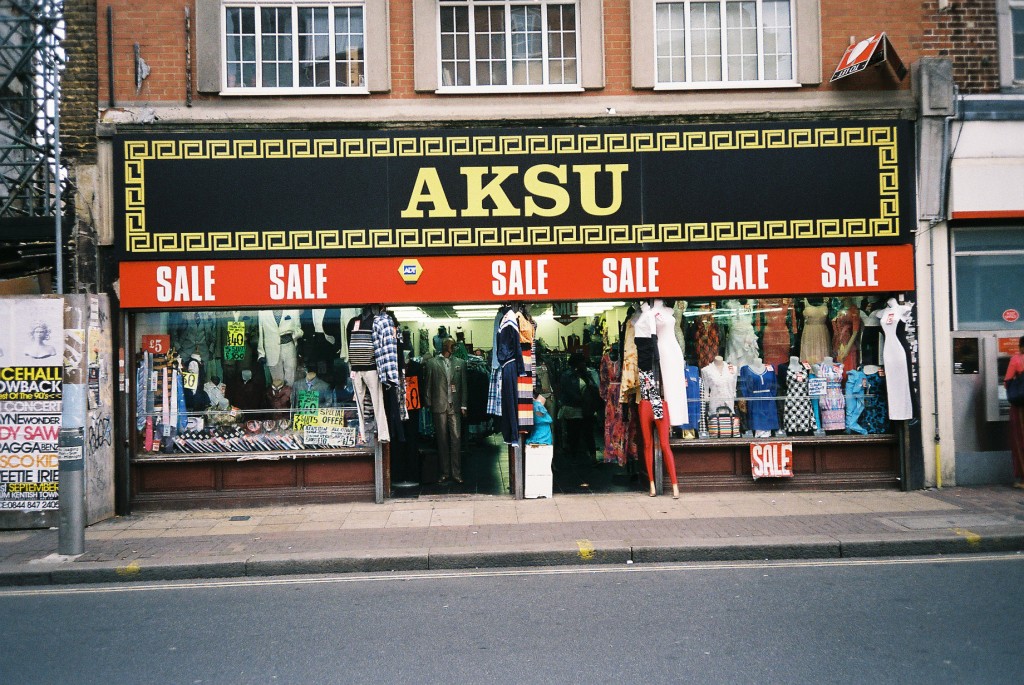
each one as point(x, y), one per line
point(31, 391)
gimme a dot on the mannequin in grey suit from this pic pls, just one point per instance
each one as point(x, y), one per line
point(445, 396)
point(279, 333)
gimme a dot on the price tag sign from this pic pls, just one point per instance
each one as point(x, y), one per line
point(234, 353)
point(156, 344)
point(236, 333)
point(309, 401)
point(190, 380)
point(816, 387)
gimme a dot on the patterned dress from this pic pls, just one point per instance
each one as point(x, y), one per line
point(798, 416)
point(630, 383)
point(833, 404)
point(875, 417)
point(510, 356)
point(776, 341)
point(707, 340)
point(845, 327)
point(615, 425)
point(814, 342)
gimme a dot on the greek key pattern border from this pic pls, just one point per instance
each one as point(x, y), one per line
point(138, 152)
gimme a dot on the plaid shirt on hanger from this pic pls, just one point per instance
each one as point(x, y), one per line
point(385, 348)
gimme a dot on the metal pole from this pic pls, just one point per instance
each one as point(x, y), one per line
point(57, 199)
point(520, 471)
point(71, 441)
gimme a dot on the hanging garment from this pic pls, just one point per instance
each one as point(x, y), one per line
point(855, 386)
point(510, 356)
point(760, 390)
point(672, 366)
point(870, 339)
point(720, 382)
point(615, 426)
point(780, 320)
point(814, 342)
point(526, 380)
point(845, 328)
point(875, 417)
point(798, 416)
point(707, 339)
point(693, 398)
point(833, 404)
point(896, 355)
point(494, 387)
point(630, 371)
point(741, 341)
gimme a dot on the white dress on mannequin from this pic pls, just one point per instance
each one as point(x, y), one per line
point(719, 380)
point(896, 359)
point(741, 343)
point(672, 365)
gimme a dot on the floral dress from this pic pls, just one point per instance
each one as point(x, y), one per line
point(615, 424)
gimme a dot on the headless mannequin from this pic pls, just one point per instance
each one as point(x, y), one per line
point(653, 409)
point(757, 366)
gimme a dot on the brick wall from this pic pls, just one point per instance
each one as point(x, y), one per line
point(158, 27)
point(966, 33)
point(78, 85)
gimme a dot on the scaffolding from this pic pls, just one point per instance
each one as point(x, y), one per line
point(32, 191)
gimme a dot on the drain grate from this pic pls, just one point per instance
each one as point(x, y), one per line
point(239, 518)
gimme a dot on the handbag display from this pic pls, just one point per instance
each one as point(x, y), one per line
point(724, 424)
point(1015, 390)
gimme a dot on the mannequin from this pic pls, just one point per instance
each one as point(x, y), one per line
point(846, 334)
point(871, 332)
point(693, 402)
point(279, 397)
point(875, 417)
point(509, 353)
point(312, 383)
point(672, 366)
point(653, 409)
point(238, 357)
point(741, 341)
point(833, 404)
point(798, 415)
point(896, 358)
point(248, 394)
point(760, 387)
point(279, 333)
point(215, 392)
point(614, 414)
point(856, 384)
point(814, 342)
point(386, 343)
point(194, 332)
point(630, 379)
point(321, 341)
point(679, 312)
point(719, 379)
point(364, 372)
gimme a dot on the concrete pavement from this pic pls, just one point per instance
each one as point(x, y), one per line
point(485, 531)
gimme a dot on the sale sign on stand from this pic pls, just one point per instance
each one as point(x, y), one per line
point(771, 460)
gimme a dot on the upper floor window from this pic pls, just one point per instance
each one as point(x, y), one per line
point(1017, 22)
point(724, 43)
point(508, 46)
point(296, 48)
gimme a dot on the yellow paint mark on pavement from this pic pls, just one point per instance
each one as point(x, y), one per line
point(972, 538)
point(586, 549)
point(129, 570)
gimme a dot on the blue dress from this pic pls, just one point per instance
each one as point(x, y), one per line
point(760, 390)
point(875, 418)
point(855, 382)
point(541, 433)
point(692, 374)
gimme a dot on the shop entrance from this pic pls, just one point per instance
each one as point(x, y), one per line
point(572, 341)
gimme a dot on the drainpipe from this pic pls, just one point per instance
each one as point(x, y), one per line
point(932, 222)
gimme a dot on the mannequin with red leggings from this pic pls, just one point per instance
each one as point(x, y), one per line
point(653, 409)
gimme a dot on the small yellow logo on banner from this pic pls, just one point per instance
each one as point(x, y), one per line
point(410, 270)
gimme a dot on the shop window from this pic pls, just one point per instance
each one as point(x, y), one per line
point(989, 277)
point(243, 382)
point(1010, 14)
point(480, 46)
point(284, 47)
point(694, 44)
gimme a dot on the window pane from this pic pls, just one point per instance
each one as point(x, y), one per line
point(350, 62)
point(778, 41)
point(314, 47)
point(670, 36)
point(1017, 19)
point(741, 39)
point(240, 41)
point(986, 286)
point(988, 239)
point(706, 38)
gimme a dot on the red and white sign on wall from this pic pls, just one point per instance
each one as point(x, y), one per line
point(1011, 315)
point(496, 278)
point(771, 460)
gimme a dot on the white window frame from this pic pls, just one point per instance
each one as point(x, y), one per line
point(295, 5)
point(1004, 15)
point(726, 84)
point(509, 88)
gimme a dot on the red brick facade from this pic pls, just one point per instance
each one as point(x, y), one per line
point(965, 32)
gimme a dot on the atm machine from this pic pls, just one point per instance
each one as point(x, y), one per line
point(980, 409)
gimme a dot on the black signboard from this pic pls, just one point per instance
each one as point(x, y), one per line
point(482, 191)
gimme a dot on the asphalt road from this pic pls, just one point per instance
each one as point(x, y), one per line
point(949, 620)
